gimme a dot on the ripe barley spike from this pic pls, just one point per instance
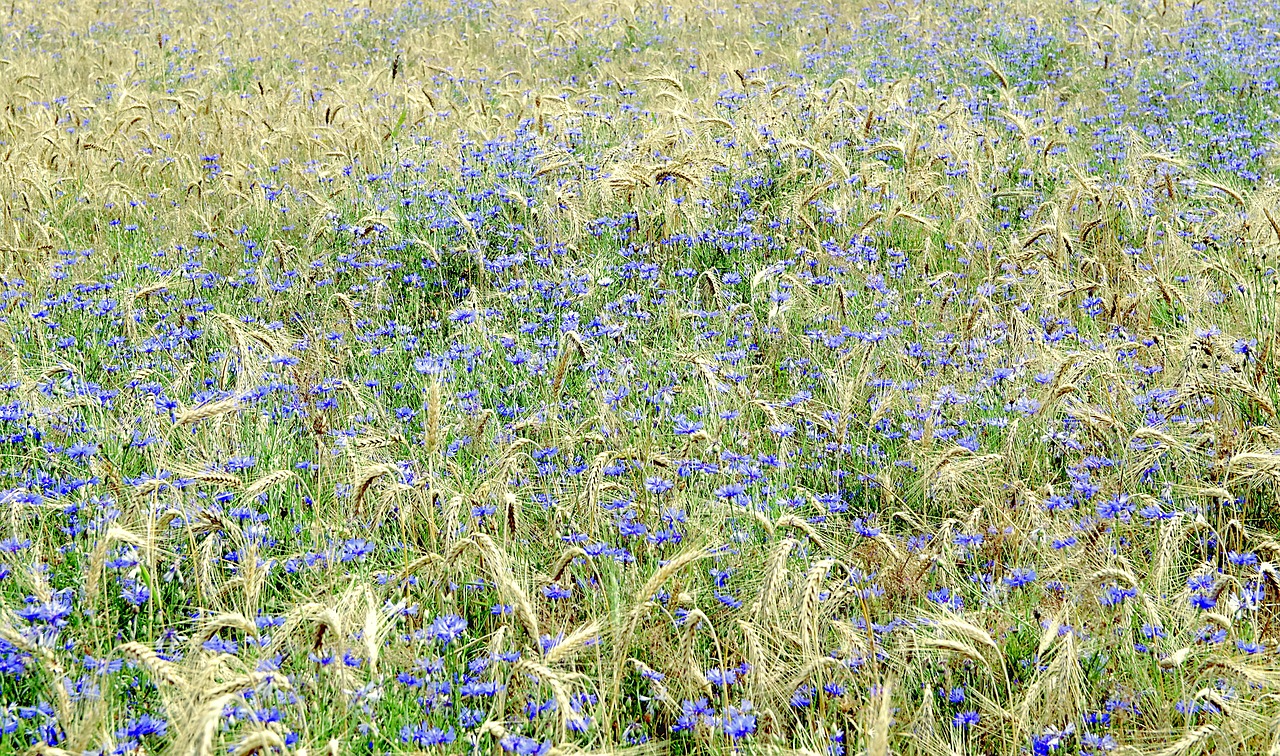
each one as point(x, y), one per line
point(591, 377)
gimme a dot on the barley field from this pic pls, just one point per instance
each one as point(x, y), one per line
point(799, 378)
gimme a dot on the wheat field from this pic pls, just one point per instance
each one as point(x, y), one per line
point(809, 378)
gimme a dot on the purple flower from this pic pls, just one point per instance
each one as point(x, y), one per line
point(523, 746)
point(1019, 577)
point(739, 722)
point(684, 427)
point(657, 486)
point(1024, 405)
point(136, 593)
point(446, 628)
point(425, 736)
point(1114, 595)
point(1200, 582)
point(556, 592)
point(1116, 508)
point(946, 598)
point(1093, 743)
point(221, 646)
point(965, 719)
point(782, 430)
point(729, 601)
point(721, 677)
point(143, 726)
point(355, 550)
point(802, 697)
point(81, 451)
point(1203, 601)
point(1051, 740)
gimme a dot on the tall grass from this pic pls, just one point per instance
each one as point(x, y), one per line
point(822, 378)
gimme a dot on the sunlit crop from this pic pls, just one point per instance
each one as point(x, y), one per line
point(628, 378)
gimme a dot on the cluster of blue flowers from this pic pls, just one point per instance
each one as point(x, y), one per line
point(902, 372)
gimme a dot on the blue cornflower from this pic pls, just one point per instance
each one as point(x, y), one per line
point(356, 550)
point(730, 491)
point(657, 486)
point(1058, 503)
point(739, 722)
point(548, 642)
point(470, 718)
point(1094, 743)
point(782, 430)
point(1115, 508)
point(803, 696)
point(693, 713)
point(1051, 740)
point(1246, 559)
point(478, 689)
point(221, 646)
point(1019, 577)
point(946, 598)
point(1024, 405)
point(446, 628)
point(965, 719)
point(1113, 595)
point(136, 593)
point(729, 601)
point(425, 736)
point(523, 746)
point(143, 726)
point(1203, 601)
point(240, 463)
point(1200, 582)
point(102, 666)
point(81, 451)
point(683, 427)
point(556, 592)
point(721, 677)
point(13, 545)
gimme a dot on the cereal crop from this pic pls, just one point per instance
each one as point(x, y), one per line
point(624, 377)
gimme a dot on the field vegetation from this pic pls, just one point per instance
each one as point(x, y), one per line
point(482, 376)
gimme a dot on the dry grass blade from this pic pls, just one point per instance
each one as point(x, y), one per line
point(208, 411)
point(791, 521)
point(267, 482)
point(259, 741)
point(160, 669)
point(214, 624)
point(495, 560)
point(878, 742)
point(774, 573)
point(366, 477)
point(1193, 739)
point(573, 643)
point(639, 602)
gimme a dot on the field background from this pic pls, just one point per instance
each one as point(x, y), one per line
point(634, 378)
